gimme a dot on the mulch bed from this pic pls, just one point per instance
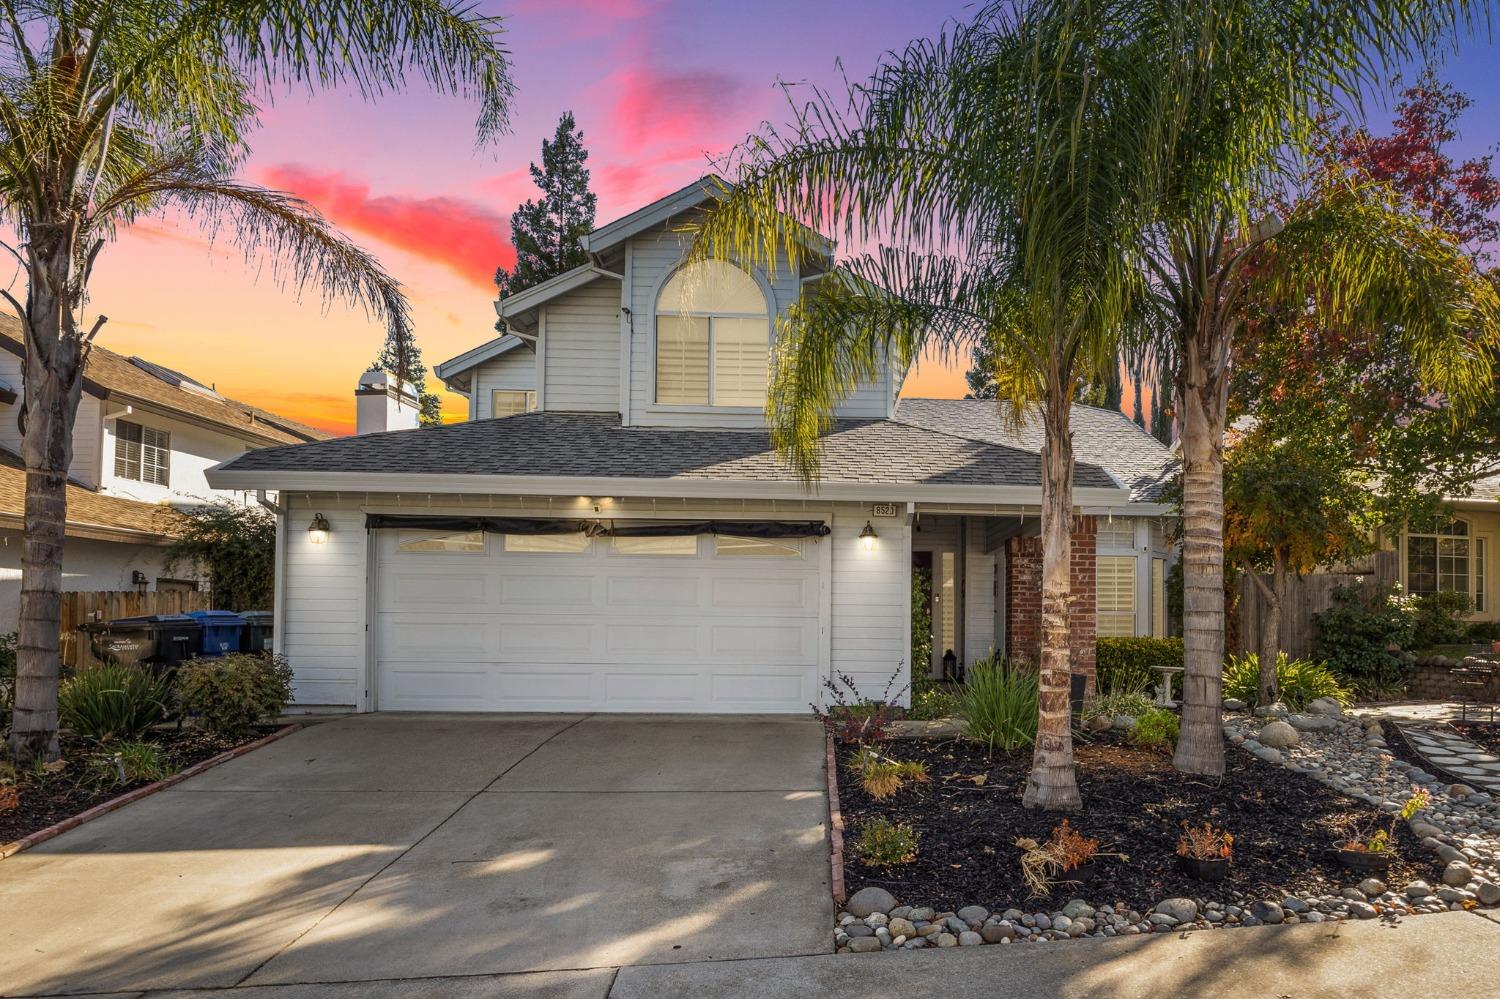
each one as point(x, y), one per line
point(1486, 734)
point(49, 798)
point(1284, 824)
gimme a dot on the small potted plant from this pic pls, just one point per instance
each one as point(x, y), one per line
point(1067, 856)
point(1203, 852)
point(1373, 851)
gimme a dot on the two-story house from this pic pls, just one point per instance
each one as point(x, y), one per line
point(144, 438)
point(611, 529)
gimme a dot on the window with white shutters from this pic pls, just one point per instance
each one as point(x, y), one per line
point(713, 338)
point(511, 402)
point(142, 453)
point(1117, 533)
point(1114, 581)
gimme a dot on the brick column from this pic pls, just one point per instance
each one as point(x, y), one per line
point(1083, 603)
point(1023, 599)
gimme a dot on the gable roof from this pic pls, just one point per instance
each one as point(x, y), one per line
point(117, 378)
point(1101, 436)
point(518, 309)
point(449, 371)
point(90, 514)
point(860, 457)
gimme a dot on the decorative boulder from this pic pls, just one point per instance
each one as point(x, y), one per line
point(1184, 910)
point(868, 900)
point(1326, 706)
point(1098, 723)
point(1277, 735)
point(1123, 723)
point(1275, 709)
point(1312, 723)
point(1233, 704)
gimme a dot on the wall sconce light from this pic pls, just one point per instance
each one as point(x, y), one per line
point(317, 532)
point(867, 537)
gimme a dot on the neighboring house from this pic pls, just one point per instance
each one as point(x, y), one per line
point(1458, 555)
point(612, 530)
point(143, 439)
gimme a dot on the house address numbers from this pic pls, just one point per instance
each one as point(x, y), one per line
point(885, 510)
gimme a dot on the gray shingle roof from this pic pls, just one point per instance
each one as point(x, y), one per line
point(578, 444)
point(1101, 436)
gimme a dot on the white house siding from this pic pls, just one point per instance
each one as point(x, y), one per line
point(88, 566)
point(581, 349)
point(871, 601)
point(320, 622)
point(864, 597)
point(87, 429)
point(652, 256)
point(513, 371)
point(979, 595)
point(194, 450)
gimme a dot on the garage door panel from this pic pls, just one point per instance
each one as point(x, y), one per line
point(595, 631)
point(653, 591)
point(770, 593)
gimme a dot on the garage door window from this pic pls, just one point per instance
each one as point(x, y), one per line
point(546, 542)
point(725, 546)
point(678, 545)
point(469, 542)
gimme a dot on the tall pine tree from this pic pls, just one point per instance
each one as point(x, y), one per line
point(403, 358)
point(547, 232)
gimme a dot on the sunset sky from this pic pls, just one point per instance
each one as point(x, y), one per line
point(659, 88)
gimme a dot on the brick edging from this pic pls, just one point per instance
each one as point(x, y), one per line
point(104, 808)
point(835, 825)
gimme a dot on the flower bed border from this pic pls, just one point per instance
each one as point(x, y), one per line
point(835, 824)
point(104, 808)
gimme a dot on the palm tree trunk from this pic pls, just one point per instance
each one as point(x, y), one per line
point(53, 384)
point(1053, 785)
point(1202, 393)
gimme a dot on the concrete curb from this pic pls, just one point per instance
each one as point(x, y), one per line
point(835, 826)
point(104, 808)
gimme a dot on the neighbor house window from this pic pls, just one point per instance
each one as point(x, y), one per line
point(469, 542)
point(1481, 561)
point(142, 453)
point(1439, 562)
point(511, 402)
point(547, 542)
point(1114, 606)
point(676, 545)
point(713, 338)
point(756, 548)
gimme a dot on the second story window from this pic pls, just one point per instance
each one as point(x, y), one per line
point(511, 402)
point(142, 453)
point(713, 338)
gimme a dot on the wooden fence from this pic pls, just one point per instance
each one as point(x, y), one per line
point(106, 605)
point(1309, 595)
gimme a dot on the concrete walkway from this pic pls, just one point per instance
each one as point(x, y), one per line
point(1454, 955)
point(407, 847)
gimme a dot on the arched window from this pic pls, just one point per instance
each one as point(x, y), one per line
point(713, 338)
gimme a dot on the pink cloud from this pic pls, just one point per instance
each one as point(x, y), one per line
point(468, 239)
point(653, 107)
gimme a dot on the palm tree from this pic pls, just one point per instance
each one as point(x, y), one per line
point(115, 109)
point(992, 178)
point(1249, 79)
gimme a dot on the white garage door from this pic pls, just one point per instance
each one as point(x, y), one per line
point(492, 622)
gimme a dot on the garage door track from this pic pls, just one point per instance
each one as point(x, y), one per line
point(413, 847)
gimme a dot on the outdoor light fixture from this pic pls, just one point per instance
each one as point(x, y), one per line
point(317, 532)
point(867, 537)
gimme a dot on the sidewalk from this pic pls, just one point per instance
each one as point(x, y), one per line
point(1455, 955)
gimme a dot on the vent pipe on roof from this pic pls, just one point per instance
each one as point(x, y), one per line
point(381, 404)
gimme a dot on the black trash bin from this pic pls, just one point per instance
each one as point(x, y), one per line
point(259, 630)
point(160, 640)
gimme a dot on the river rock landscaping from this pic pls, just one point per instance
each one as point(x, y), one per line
point(1288, 809)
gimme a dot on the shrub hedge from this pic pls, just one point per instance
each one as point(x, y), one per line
point(1126, 664)
point(232, 694)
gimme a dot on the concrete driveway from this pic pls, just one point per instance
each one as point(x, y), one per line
point(418, 847)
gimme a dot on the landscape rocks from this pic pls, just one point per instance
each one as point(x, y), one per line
point(1233, 704)
point(1326, 706)
point(868, 900)
point(1278, 735)
point(1457, 874)
point(1312, 723)
point(1182, 910)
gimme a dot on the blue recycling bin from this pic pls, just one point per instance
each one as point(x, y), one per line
point(222, 631)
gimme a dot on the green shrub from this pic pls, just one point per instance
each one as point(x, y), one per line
point(1127, 663)
point(933, 702)
point(1157, 727)
point(114, 702)
point(998, 703)
point(230, 695)
point(1121, 702)
point(128, 763)
point(886, 844)
point(1356, 636)
point(1484, 631)
point(1439, 619)
point(1298, 681)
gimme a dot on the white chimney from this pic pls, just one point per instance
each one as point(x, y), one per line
point(380, 404)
